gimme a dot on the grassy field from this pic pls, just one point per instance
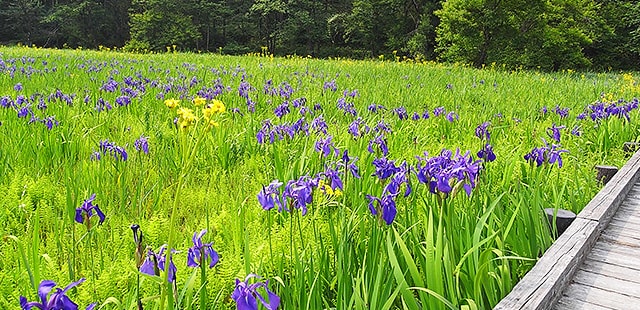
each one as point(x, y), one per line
point(342, 184)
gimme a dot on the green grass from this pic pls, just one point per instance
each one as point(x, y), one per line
point(459, 252)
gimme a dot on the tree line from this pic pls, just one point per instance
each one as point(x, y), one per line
point(538, 34)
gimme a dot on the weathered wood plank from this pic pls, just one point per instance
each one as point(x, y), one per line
point(544, 283)
point(624, 237)
point(602, 207)
point(623, 224)
point(568, 303)
point(628, 211)
point(606, 283)
point(601, 297)
point(610, 270)
point(614, 256)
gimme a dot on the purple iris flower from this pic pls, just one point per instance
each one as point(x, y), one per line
point(381, 143)
point(544, 110)
point(546, 154)
point(270, 196)
point(318, 124)
point(439, 111)
point(153, 263)
point(17, 87)
point(386, 207)
point(118, 152)
point(425, 115)
point(415, 116)
point(85, 211)
point(6, 102)
point(330, 85)
point(123, 101)
point(23, 112)
point(56, 301)
point(373, 108)
point(562, 112)
point(382, 127)
point(486, 153)
point(350, 164)
point(401, 176)
point(50, 121)
point(482, 131)
point(401, 112)
point(109, 86)
point(299, 193)
point(324, 146)
point(334, 178)
point(452, 116)
point(385, 168)
point(243, 89)
point(554, 132)
point(142, 144)
point(354, 127)
point(442, 171)
point(247, 295)
point(200, 252)
point(282, 109)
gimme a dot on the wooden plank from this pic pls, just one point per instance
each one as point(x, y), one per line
point(601, 297)
point(544, 283)
point(610, 270)
point(602, 207)
point(568, 303)
point(627, 209)
point(615, 257)
point(607, 283)
point(623, 237)
point(623, 224)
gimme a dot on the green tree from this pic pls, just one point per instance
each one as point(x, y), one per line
point(546, 34)
point(90, 23)
point(22, 21)
point(160, 24)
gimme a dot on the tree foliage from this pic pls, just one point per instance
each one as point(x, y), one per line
point(544, 34)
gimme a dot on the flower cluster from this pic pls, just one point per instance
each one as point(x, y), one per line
point(247, 295)
point(270, 132)
point(602, 110)
point(546, 154)
point(486, 153)
point(142, 144)
point(58, 300)
point(105, 147)
point(298, 193)
point(394, 177)
point(444, 173)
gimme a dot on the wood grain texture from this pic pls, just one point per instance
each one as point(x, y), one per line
point(600, 297)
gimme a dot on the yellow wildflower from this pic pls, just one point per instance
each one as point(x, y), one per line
point(198, 101)
point(218, 106)
point(186, 118)
point(171, 103)
point(215, 107)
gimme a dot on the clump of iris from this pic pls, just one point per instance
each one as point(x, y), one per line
point(247, 295)
point(58, 300)
point(447, 172)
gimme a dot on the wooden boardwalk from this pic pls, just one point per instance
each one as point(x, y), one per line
point(595, 264)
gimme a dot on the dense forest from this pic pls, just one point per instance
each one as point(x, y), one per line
point(538, 34)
